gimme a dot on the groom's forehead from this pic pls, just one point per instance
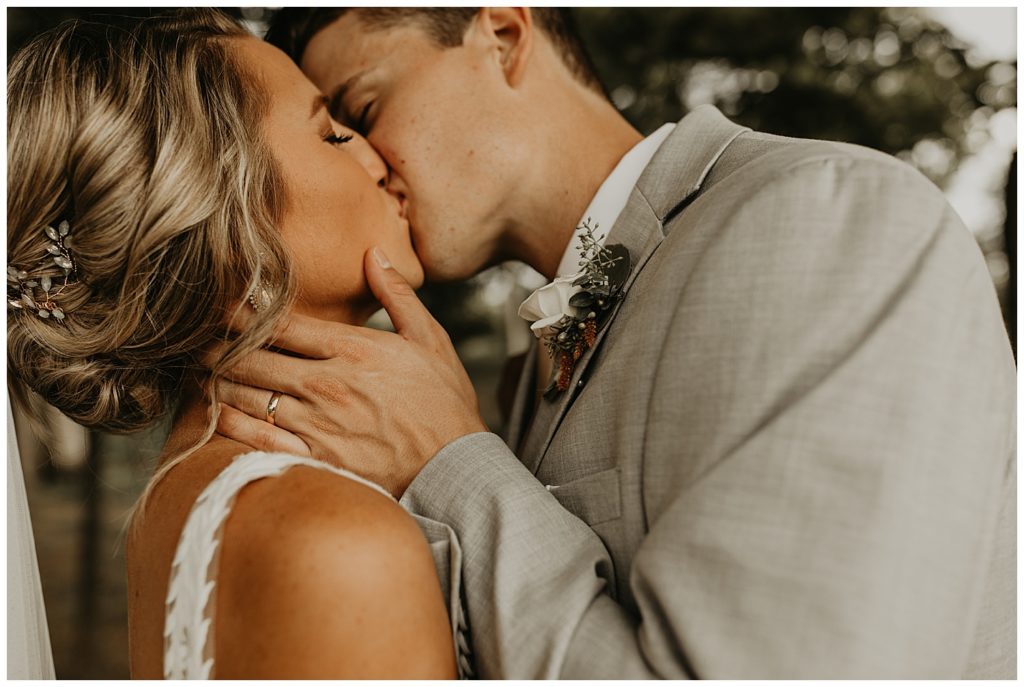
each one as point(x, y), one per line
point(294, 29)
point(377, 27)
point(351, 41)
point(340, 54)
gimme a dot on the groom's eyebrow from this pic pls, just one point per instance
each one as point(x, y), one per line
point(334, 104)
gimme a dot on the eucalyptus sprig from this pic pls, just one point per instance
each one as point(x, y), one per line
point(603, 272)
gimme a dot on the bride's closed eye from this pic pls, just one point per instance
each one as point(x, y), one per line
point(329, 134)
point(335, 139)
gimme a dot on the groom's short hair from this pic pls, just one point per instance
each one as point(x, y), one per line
point(292, 28)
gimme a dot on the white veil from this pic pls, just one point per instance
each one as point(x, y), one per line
point(29, 655)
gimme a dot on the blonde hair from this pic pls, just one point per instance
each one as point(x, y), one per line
point(147, 141)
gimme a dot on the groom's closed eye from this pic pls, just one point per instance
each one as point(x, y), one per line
point(362, 120)
point(340, 111)
point(345, 117)
point(336, 102)
point(336, 108)
point(356, 118)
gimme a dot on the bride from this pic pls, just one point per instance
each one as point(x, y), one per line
point(164, 181)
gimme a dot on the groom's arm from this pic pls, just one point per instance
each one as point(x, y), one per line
point(531, 570)
point(535, 576)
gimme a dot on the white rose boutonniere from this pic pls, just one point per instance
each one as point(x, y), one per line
point(548, 306)
point(567, 313)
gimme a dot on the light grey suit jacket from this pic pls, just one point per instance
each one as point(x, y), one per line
point(791, 453)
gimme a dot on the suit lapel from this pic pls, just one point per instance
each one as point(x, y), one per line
point(679, 168)
point(669, 183)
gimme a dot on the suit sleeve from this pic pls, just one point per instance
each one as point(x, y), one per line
point(832, 512)
point(531, 569)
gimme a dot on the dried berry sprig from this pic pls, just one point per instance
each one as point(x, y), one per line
point(604, 270)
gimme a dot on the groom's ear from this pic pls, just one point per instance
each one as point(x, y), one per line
point(509, 33)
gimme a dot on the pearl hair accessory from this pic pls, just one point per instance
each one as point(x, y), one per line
point(39, 293)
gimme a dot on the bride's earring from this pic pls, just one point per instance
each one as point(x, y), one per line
point(259, 298)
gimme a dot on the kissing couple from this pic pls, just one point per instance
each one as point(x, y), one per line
point(767, 429)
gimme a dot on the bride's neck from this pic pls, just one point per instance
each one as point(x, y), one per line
point(192, 419)
point(191, 422)
point(354, 311)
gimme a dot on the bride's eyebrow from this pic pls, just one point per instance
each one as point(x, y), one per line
point(319, 103)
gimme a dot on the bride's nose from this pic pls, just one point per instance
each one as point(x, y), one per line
point(369, 158)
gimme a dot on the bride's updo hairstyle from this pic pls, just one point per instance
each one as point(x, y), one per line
point(147, 142)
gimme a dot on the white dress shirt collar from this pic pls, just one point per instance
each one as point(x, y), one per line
point(604, 209)
point(610, 200)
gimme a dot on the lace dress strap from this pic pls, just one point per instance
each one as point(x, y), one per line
point(188, 620)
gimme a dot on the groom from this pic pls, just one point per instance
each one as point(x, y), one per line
point(786, 449)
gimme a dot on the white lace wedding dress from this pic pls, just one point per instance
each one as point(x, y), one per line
point(189, 622)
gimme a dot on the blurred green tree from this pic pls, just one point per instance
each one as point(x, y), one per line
point(887, 78)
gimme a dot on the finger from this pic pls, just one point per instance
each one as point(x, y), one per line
point(256, 402)
point(270, 370)
point(238, 426)
point(302, 334)
point(311, 337)
point(411, 319)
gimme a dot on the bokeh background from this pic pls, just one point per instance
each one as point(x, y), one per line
point(935, 87)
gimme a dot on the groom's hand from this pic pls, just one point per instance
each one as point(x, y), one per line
point(378, 403)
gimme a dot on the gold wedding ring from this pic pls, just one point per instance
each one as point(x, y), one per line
point(275, 398)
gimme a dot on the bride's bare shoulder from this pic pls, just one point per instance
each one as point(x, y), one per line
point(332, 574)
point(306, 505)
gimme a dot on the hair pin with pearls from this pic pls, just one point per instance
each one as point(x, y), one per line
point(39, 293)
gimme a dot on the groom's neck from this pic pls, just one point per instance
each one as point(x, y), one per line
point(581, 143)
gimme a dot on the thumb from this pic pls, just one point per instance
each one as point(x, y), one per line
point(411, 319)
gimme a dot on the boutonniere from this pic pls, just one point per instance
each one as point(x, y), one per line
point(567, 313)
